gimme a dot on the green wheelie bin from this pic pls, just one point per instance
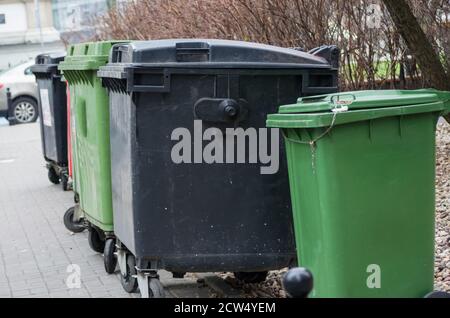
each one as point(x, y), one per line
point(91, 146)
point(362, 180)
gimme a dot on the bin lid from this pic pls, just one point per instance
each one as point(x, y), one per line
point(87, 56)
point(50, 58)
point(47, 62)
point(213, 53)
point(318, 111)
point(364, 100)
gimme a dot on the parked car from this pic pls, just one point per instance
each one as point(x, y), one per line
point(24, 93)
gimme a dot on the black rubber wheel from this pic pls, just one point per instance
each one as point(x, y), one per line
point(298, 282)
point(53, 176)
point(155, 288)
point(70, 224)
point(109, 258)
point(438, 294)
point(24, 110)
point(251, 277)
point(95, 241)
point(129, 281)
point(65, 182)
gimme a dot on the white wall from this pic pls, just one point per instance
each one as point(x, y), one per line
point(15, 16)
point(11, 55)
point(21, 27)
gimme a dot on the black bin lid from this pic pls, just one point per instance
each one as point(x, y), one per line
point(47, 62)
point(212, 53)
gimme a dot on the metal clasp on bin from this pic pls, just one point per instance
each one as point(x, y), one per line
point(221, 110)
point(340, 105)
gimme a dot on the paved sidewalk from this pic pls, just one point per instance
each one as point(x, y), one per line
point(35, 247)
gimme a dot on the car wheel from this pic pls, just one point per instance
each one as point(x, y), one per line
point(24, 110)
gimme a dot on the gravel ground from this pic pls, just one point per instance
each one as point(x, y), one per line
point(272, 286)
point(442, 262)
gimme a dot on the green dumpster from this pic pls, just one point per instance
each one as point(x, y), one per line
point(362, 178)
point(91, 143)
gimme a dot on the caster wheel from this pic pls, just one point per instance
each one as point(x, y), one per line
point(155, 288)
point(95, 241)
point(53, 176)
point(298, 282)
point(109, 258)
point(70, 224)
point(65, 182)
point(251, 277)
point(438, 294)
point(129, 281)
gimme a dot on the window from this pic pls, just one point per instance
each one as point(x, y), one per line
point(2, 18)
point(28, 71)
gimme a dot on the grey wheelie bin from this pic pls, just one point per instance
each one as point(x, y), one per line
point(193, 190)
point(53, 115)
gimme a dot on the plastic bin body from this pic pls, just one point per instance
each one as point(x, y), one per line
point(198, 217)
point(52, 108)
point(90, 131)
point(363, 196)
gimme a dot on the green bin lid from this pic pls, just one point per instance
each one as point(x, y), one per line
point(318, 111)
point(87, 56)
point(364, 100)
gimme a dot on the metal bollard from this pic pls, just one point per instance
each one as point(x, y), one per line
point(11, 119)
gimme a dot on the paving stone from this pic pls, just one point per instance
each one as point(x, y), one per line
point(20, 293)
point(35, 247)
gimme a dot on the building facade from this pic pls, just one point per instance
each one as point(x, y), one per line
point(18, 23)
point(22, 35)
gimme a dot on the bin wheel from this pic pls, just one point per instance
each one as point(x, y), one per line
point(53, 176)
point(64, 182)
point(109, 258)
point(437, 294)
point(70, 224)
point(95, 241)
point(155, 288)
point(129, 280)
point(251, 277)
point(298, 282)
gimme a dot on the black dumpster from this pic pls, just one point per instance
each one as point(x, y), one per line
point(178, 205)
point(53, 115)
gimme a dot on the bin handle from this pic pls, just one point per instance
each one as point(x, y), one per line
point(164, 88)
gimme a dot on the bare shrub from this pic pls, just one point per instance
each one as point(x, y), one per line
point(371, 57)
